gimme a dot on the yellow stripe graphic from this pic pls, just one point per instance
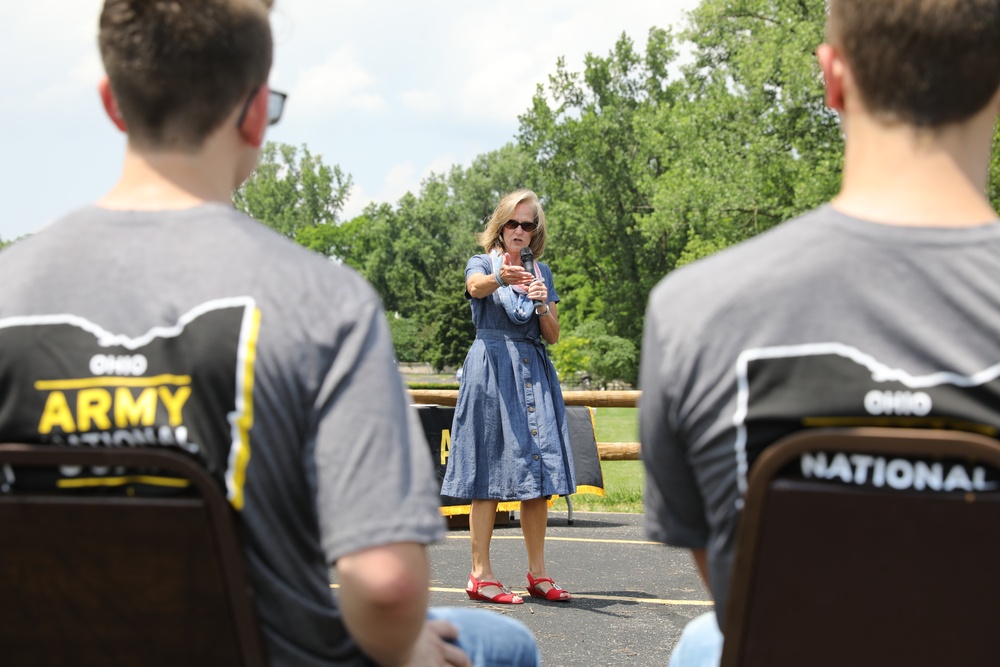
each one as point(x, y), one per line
point(112, 381)
point(902, 422)
point(88, 482)
point(245, 421)
point(505, 506)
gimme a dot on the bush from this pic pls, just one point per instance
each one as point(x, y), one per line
point(589, 350)
point(406, 338)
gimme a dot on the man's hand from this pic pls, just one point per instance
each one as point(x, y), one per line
point(432, 647)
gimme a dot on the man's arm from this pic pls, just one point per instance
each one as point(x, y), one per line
point(383, 595)
point(701, 560)
point(675, 512)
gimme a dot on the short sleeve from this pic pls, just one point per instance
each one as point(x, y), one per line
point(550, 283)
point(478, 264)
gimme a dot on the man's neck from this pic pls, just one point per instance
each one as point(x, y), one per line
point(169, 180)
point(896, 174)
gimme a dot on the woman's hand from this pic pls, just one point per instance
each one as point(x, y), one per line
point(537, 291)
point(513, 275)
point(480, 285)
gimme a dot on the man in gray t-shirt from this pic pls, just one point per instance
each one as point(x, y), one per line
point(882, 307)
point(161, 317)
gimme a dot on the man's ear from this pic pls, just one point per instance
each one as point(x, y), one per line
point(255, 120)
point(834, 70)
point(111, 104)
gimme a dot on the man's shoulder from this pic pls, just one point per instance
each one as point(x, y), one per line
point(224, 246)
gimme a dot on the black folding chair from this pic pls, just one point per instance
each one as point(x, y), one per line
point(120, 580)
point(843, 574)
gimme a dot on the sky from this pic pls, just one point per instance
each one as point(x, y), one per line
point(389, 91)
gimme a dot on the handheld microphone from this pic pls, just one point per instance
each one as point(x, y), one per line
point(528, 260)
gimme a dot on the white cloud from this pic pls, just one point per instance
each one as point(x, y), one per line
point(70, 88)
point(398, 180)
point(339, 83)
point(357, 200)
point(442, 164)
point(389, 91)
point(421, 101)
point(500, 71)
point(52, 56)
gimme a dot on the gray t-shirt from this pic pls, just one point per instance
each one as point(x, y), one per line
point(203, 330)
point(826, 320)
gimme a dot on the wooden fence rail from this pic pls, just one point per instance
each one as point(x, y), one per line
point(608, 451)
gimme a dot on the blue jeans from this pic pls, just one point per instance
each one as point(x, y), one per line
point(700, 644)
point(489, 638)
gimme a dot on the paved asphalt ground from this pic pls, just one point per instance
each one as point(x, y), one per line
point(631, 598)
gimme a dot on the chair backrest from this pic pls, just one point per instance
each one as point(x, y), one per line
point(898, 567)
point(119, 580)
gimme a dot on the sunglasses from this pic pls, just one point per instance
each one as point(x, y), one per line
point(526, 226)
point(275, 105)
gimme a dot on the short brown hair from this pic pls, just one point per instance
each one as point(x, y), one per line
point(178, 68)
point(492, 236)
point(927, 63)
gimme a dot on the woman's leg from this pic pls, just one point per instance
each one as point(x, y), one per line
point(481, 518)
point(534, 520)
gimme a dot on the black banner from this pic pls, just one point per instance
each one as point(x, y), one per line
point(436, 421)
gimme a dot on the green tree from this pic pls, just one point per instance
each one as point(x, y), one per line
point(591, 170)
point(448, 323)
point(993, 188)
point(294, 192)
point(750, 142)
point(570, 356)
point(590, 350)
point(407, 340)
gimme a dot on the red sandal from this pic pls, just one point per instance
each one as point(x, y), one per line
point(506, 597)
point(554, 594)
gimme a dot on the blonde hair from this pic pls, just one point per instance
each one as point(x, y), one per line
point(492, 236)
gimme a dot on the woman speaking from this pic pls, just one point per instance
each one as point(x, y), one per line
point(509, 439)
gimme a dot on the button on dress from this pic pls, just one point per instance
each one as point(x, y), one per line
point(509, 437)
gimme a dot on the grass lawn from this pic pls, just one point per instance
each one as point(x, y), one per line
point(617, 424)
point(623, 480)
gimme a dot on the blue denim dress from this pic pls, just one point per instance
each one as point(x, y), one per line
point(509, 438)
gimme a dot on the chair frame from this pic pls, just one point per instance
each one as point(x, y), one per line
point(207, 534)
point(764, 482)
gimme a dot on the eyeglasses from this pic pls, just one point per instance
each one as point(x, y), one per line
point(275, 105)
point(526, 226)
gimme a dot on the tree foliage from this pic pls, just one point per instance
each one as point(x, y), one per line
point(590, 351)
point(584, 132)
point(750, 143)
point(294, 192)
point(409, 345)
